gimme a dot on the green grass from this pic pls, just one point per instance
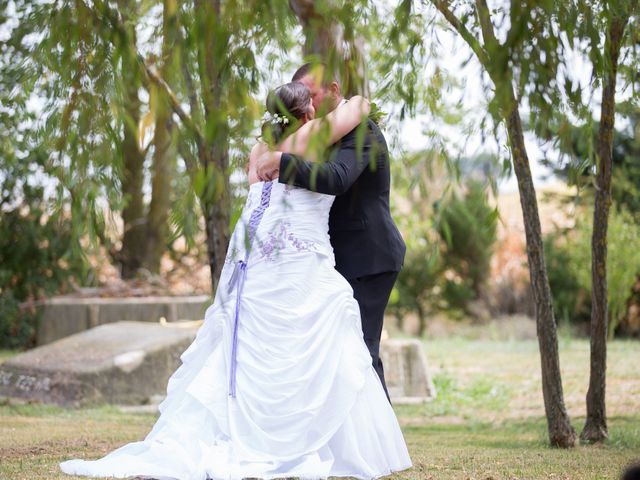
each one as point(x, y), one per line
point(487, 422)
point(6, 354)
point(515, 450)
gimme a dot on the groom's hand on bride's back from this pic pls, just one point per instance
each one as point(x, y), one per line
point(268, 166)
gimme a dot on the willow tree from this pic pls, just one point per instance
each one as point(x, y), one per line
point(89, 124)
point(77, 140)
point(616, 19)
point(601, 32)
point(216, 44)
point(95, 76)
point(598, 30)
point(516, 69)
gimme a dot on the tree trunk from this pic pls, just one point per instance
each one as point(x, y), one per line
point(217, 224)
point(131, 254)
point(422, 320)
point(595, 428)
point(164, 151)
point(561, 433)
point(324, 40)
point(215, 200)
point(356, 76)
point(320, 31)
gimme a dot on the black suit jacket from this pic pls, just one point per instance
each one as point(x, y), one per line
point(364, 237)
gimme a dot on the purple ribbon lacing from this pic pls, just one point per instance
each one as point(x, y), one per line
point(239, 276)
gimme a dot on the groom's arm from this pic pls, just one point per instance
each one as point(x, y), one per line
point(333, 176)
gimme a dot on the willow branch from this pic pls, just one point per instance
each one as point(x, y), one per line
point(484, 17)
point(150, 75)
point(492, 45)
point(190, 161)
point(189, 84)
point(467, 36)
point(175, 103)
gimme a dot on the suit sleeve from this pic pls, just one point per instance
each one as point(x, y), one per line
point(333, 176)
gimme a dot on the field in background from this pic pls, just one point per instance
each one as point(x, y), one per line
point(486, 423)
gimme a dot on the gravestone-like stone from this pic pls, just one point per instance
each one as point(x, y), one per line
point(121, 362)
point(129, 363)
point(406, 371)
point(63, 316)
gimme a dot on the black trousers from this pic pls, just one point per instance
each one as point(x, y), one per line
point(372, 293)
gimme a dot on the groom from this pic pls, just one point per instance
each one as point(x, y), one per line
point(368, 248)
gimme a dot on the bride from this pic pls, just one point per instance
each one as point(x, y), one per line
point(278, 381)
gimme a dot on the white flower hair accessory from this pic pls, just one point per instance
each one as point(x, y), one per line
point(274, 118)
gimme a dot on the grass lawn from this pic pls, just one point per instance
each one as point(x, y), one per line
point(486, 423)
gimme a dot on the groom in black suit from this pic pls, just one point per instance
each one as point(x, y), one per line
point(368, 247)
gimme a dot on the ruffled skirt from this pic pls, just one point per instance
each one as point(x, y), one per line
point(308, 402)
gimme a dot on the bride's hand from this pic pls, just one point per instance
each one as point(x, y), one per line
point(268, 166)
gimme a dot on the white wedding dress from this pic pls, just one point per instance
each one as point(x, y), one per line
point(293, 392)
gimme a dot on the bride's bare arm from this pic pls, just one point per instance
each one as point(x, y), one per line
point(339, 122)
point(257, 150)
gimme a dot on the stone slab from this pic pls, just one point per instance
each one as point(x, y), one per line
point(63, 316)
point(121, 362)
point(406, 371)
point(129, 363)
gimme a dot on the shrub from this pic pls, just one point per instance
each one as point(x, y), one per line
point(571, 302)
point(38, 258)
point(416, 286)
point(569, 265)
point(467, 226)
point(449, 237)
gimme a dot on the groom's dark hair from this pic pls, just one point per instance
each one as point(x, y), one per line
point(302, 71)
point(306, 68)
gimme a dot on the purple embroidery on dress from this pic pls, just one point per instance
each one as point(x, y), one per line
point(278, 240)
point(239, 276)
point(302, 245)
point(273, 244)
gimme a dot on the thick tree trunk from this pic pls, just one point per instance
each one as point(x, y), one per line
point(561, 433)
point(595, 428)
point(163, 168)
point(214, 154)
point(324, 39)
point(131, 255)
point(217, 223)
point(356, 76)
point(164, 151)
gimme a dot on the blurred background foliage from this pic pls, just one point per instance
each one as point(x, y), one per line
point(569, 261)
point(36, 261)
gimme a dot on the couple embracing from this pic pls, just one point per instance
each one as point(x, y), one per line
point(284, 377)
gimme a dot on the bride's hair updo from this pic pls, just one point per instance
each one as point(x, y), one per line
point(286, 105)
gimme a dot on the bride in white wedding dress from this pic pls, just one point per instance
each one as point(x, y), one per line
point(278, 381)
